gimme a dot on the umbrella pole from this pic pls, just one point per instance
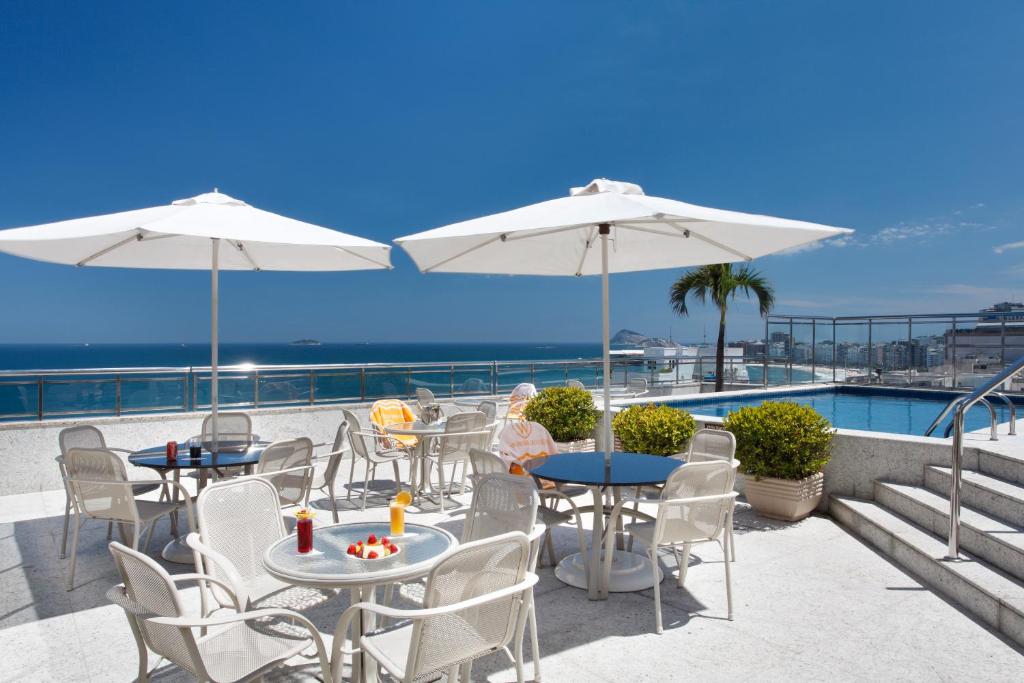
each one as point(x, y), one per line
point(604, 230)
point(214, 324)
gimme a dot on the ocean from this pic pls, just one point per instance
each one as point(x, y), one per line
point(71, 356)
point(27, 396)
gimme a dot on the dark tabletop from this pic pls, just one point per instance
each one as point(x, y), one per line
point(228, 455)
point(628, 469)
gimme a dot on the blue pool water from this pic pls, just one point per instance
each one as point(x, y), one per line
point(896, 411)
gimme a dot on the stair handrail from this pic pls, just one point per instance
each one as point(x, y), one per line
point(1013, 410)
point(959, 411)
point(942, 416)
point(993, 421)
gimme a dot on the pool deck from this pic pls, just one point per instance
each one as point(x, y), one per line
point(811, 602)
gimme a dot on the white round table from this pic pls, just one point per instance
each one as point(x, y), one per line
point(423, 432)
point(328, 566)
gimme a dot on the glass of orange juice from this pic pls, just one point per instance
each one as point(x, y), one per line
point(397, 509)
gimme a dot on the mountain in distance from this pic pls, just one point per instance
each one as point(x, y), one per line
point(626, 337)
point(305, 342)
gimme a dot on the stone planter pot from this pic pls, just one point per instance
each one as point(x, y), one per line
point(578, 446)
point(784, 499)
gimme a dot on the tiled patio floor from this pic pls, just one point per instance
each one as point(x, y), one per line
point(811, 603)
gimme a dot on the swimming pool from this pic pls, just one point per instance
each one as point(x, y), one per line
point(874, 409)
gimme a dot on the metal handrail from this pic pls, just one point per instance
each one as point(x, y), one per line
point(993, 422)
point(1012, 408)
point(994, 418)
point(959, 411)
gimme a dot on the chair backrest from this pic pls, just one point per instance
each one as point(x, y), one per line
point(424, 397)
point(239, 518)
point(334, 461)
point(711, 444)
point(150, 588)
point(104, 495)
point(575, 384)
point(362, 446)
point(484, 462)
point(638, 385)
point(518, 399)
point(231, 428)
point(472, 570)
point(490, 411)
point(501, 503)
point(526, 443)
point(453, 445)
point(80, 436)
point(694, 521)
point(288, 455)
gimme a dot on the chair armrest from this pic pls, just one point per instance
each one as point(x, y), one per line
point(235, 585)
point(699, 499)
point(415, 614)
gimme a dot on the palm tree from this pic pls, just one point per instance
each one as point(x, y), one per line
point(719, 282)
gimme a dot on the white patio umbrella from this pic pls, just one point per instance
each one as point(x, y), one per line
point(187, 235)
point(558, 237)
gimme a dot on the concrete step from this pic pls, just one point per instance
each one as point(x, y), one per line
point(981, 590)
point(997, 497)
point(988, 538)
point(1006, 466)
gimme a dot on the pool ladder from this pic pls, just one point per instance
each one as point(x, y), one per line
point(959, 406)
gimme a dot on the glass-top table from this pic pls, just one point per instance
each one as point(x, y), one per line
point(328, 566)
point(629, 571)
point(233, 453)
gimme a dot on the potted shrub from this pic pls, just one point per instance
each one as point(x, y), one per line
point(782, 448)
point(649, 428)
point(568, 413)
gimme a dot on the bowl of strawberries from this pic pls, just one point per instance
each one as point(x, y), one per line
point(373, 548)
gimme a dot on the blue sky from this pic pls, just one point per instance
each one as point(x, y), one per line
point(898, 119)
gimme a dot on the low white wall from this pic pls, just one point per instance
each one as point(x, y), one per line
point(27, 449)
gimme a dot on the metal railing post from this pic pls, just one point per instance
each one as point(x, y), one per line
point(953, 550)
point(871, 354)
point(494, 378)
point(362, 384)
point(256, 389)
point(312, 387)
point(954, 353)
point(834, 352)
point(39, 399)
point(451, 380)
point(117, 395)
point(814, 351)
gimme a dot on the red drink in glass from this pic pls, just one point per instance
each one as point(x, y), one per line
point(304, 532)
point(172, 451)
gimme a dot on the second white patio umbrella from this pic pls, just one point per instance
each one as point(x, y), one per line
point(558, 237)
point(212, 232)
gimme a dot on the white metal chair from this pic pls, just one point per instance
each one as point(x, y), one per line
point(695, 506)
point(474, 605)
point(462, 432)
point(288, 465)
point(237, 647)
point(232, 428)
point(88, 436)
point(575, 384)
point(637, 386)
point(324, 477)
point(369, 447)
point(238, 520)
point(424, 397)
point(490, 411)
point(711, 444)
point(100, 489)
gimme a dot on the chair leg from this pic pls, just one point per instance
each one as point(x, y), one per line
point(728, 580)
point(462, 489)
point(732, 545)
point(549, 544)
point(466, 672)
point(398, 477)
point(110, 531)
point(653, 554)
point(64, 538)
point(74, 554)
point(371, 470)
point(351, 475)
point(136, 534)
point(534, 639)
point(140, 644)
point(684, 564)
point(440, 490)
point(334, 501)
point(149, 537)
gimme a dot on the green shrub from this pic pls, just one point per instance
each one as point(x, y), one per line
point(658, 430)
point(780, 440)
point(567, 412)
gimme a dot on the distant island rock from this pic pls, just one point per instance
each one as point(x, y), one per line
point(305, 342)
point(632, 338)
